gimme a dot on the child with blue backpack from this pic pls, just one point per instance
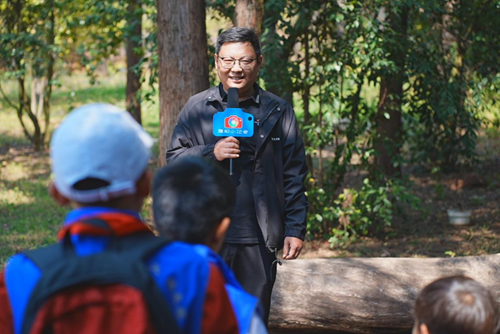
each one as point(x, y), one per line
point(192, 201)
point(108, 273)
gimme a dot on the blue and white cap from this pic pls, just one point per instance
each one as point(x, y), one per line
point(99, 141)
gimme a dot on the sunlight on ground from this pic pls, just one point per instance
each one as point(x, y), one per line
point(15, 197)
point(12, 171)
point(9, 127)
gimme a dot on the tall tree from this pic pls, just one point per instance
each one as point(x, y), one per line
point(389, 116)
point(183, 62)
point(249, 14)
point(134, 54)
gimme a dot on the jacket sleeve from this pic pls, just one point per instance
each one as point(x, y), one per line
point(183, 140)
point(294, 174)
point(6, 320)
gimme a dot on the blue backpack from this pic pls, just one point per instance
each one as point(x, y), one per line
point(123, 261)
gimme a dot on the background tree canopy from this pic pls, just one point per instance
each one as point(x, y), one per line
point(382, 89)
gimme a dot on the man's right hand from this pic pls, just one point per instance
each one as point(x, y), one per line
point(227, 148)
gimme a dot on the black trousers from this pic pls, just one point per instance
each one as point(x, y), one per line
point(255, 268)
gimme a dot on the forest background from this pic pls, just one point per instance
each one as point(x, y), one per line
point(396, 101)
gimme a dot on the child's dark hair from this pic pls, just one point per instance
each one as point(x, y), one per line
point(457, 305)
point(190, 197)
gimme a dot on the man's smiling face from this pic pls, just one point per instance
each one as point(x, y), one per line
point(237, 76)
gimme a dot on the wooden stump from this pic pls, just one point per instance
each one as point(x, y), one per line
point(364, 295)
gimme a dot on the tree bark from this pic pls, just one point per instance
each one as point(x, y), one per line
point(249, 14)
point(134, 42)
point(305, 98)
point(51, 60)
point(183, 62)
point(389, 123)
point(364, 295)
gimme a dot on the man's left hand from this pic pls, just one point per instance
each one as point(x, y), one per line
point(292, 248)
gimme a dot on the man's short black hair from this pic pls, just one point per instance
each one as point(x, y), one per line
point(457, 305)
point(239, 35)
point(190, 197)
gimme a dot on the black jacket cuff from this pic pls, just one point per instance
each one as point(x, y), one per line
point(296, 233)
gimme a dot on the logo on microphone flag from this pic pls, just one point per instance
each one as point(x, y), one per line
point(233, 122)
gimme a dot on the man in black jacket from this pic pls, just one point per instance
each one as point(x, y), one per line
point(269, 168)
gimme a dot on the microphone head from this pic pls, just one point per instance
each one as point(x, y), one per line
point(233, 98)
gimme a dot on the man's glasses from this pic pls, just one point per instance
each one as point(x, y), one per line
point(229, 62)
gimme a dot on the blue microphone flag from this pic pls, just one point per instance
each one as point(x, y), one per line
point(233, 122)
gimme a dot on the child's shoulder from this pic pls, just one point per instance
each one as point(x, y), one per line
point(180, 253)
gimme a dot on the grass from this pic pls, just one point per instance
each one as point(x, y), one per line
point(29, 218)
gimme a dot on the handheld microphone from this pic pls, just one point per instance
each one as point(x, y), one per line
point(233, 98)
point(233, 101)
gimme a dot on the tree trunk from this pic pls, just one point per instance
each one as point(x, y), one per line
point(305, 98)
point(183, 61)
point(47, 87)
point(389, 124)
point(249, 14)
point(364, 295)
point(23, 96)
point(134, 42)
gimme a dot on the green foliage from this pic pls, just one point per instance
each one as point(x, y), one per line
point(450, 253)
point(95, 33)
point(330, 59)
point(42, 40)
point(356, 213)
point(30, 45)
point(453, 73)
point(335, 56)
point(100, 31)
point(222, 7)
point(440, 191)
point(340, 56)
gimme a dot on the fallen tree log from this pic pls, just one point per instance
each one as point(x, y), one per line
point(364, 295)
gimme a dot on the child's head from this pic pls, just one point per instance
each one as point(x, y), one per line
point(455, 305)
point(192, 201)
point(99, 157)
